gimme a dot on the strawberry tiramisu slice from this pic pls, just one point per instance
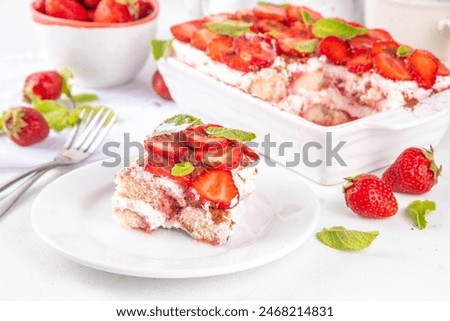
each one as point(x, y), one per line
point(326, 70)
point(193, 177)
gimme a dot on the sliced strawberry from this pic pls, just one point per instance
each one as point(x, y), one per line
point(220, 17)
point(160, 169)
point(249, 155)
point(196, 137)
point(219, 157)
point(443, 70)
point(202, 38)
point(423, 66)
point(172, 146)
point(220, 48)
point(271, 12)
point(294, 13)
point(287, 40)
point(360, 62)
point(258, 51)
point(335, 49)
point(389, 47)
point(266, 25)
point(380, 35)
point(363, 42)
point(245, 16)
point(391, 67)
point(217, 187)
point(183, 31)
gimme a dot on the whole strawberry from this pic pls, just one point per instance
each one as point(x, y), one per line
point(66, 9)
point(43, 85)
point(116, 11)
point(159, 86)
point(25, 126)
point(413, 172)
point(368, 196)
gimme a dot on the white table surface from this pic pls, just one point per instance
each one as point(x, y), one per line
point(402, 264)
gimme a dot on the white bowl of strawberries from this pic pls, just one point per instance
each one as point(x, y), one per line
point(104, 42)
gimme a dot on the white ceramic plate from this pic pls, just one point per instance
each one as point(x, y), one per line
point(73, 215)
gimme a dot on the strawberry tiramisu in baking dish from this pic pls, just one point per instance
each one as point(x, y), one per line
point(193, 177)
point(326, 70)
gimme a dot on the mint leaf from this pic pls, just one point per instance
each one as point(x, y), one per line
point(230, 28)
point(340, 238)
point(160, 48)
point(331, 27)
point(84, 98)
point(264, 3)
point(66, 75)
point(54, 113)
point(418, 211)
point(183, 119)
point(60, 117)
point(182, 169)
point(232, 134)
point(404, 51)
point(307, 46)
point(306, 17)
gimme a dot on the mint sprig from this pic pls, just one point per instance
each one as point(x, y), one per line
point(264, 3)
point(307, 46)
point(306, 17)
point(160, 48)
point(231, 134)
point(418, 210)
point(332, 27)
point(339, 238)
point(59, 117)
point(182, 169)
point(229, 28)
point(183, 119)
point(404, 51)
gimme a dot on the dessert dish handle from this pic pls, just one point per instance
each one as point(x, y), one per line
point(444, 25)
point(11, 198)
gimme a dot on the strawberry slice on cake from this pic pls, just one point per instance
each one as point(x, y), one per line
point(193, 177)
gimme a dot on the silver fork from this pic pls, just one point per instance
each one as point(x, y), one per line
point(83, 140)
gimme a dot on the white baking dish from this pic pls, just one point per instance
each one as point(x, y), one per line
point(371, 143)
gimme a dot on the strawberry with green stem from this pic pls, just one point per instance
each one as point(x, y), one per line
point(413, 172)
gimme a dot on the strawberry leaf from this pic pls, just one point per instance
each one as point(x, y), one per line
point(161, 48)
point(418, 211)
point(232, 134)
point(66, 75)
point(332, 27)
point(230, 28)
point(339, 238)
point(182, 169)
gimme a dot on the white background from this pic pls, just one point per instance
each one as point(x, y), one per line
point(402, 264)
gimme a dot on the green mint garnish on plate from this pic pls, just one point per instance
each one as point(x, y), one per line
point(160, 48)
point(183, 119)
point(232, 134)
point(307, 46)
point(403, 51)
point(66, 75)
point(418, 211)
point(339, 238)
point(332, 27)
point(182, 169)
point(230, 28)
point(306, 17)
